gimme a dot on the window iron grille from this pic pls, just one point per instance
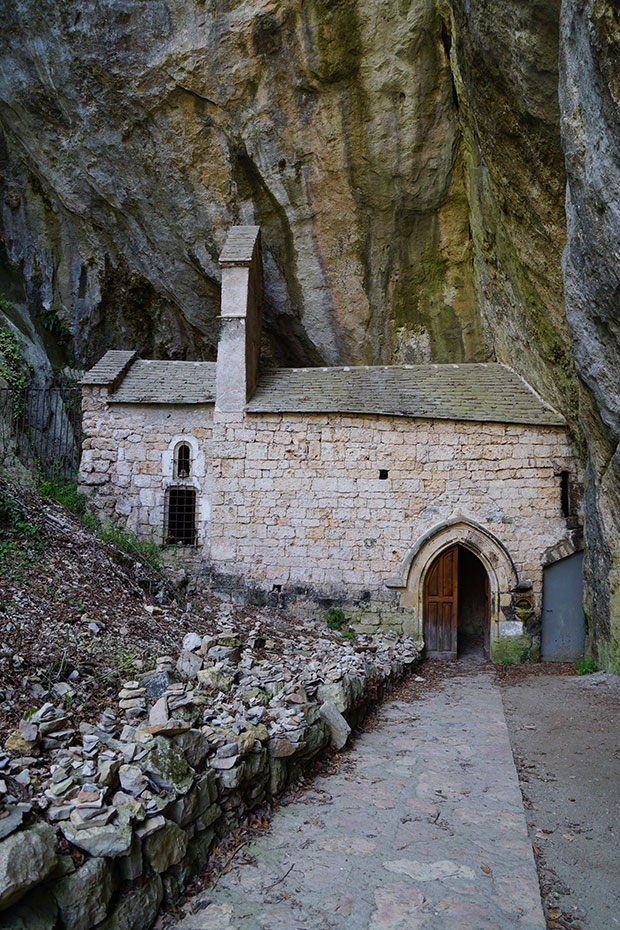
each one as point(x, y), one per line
point(181, 517)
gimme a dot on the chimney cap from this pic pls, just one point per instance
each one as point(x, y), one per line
point(239, 246)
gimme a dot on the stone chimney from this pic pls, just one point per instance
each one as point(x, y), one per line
point(240, 320)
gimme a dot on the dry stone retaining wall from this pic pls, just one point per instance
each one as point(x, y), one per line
point(202, 745)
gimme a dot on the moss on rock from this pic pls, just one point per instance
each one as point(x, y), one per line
point(511, 649)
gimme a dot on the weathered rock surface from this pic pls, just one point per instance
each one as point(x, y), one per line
point(168, 768)
point(83, 896)
point(504, 61)
point(138, 908)
point(105, 840)
point(15, 815)
point(26, 858)
point(339, 729)
point(590, 98)
point(332, 125)
point(166, 847)
point(37, 912)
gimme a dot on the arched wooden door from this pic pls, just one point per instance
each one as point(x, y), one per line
point(441, 604)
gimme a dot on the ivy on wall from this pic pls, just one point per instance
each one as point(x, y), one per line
point(13, 368)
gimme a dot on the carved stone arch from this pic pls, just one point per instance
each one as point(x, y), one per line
point(497, 562)
point(182, 460)
point(572, 543)
point(198, 464)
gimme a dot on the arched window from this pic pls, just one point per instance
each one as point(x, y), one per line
point(182, 460)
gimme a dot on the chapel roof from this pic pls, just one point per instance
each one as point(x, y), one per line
point(488, 392)
point(150, 381)
point(484, 392)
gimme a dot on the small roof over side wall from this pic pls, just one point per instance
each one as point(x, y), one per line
point(160, 382)
point(109, 370)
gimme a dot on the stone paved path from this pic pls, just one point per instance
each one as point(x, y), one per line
point(423, 829)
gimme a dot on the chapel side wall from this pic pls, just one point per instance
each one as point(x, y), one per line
point(298, 501)
point(126, 463)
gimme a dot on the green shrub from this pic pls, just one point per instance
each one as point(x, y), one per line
point(53, 324)
point(336, 620)
point(147, 550)
point(585, 666)
point(13, 368)
point(67, 494)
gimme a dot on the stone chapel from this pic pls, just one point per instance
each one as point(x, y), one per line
point(426, 498)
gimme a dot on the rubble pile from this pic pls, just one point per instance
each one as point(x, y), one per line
point(99, 821)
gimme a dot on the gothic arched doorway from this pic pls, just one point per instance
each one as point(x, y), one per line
point(456, 604)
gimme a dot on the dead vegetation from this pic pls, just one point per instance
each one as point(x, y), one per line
point(79, 615)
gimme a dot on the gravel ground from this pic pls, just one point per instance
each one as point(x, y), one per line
point(566, 740)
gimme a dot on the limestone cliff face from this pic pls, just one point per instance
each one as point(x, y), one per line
point(404, 158)
point(505, 65)
point(590, 101)
point(404, 161)
point(137, 132)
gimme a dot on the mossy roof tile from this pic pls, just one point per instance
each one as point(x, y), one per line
point(161, 382)
point(478, 392)
point(481, 392)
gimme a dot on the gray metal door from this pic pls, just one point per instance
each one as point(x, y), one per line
point(563, 624)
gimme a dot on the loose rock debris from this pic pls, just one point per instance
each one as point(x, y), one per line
point(137, 774)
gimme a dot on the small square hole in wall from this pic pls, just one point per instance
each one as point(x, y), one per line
point(276, 587)
point(383, 474)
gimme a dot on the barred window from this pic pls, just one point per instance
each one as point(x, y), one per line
point(182, 460)
point(181, 516)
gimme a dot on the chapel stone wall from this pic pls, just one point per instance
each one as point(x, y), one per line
point(127, 461)
point(299, 501)
point(300, 504)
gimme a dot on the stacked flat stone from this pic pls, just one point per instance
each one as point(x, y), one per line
point(146, 798)
point(132, 699)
